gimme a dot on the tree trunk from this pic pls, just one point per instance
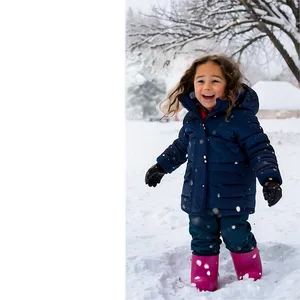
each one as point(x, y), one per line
point(287, 58)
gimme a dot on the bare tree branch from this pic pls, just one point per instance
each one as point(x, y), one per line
point(239, 24)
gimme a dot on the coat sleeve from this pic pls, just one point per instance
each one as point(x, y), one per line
point(259, 151)
point(176, 154)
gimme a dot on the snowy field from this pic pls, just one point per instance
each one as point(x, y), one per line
point(157, 238)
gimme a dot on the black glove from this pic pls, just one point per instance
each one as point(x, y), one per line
point(154, 175)
point(272, 192)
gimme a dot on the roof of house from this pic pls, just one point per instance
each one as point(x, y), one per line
point(277, 95)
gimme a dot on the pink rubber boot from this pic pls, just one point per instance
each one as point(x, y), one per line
point(204, 272)
point(247, 263)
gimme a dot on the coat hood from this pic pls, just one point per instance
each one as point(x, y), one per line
point(247, 99)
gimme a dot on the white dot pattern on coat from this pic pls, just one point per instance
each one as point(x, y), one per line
point(198, 263)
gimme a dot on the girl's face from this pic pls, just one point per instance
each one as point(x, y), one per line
point(209, 84)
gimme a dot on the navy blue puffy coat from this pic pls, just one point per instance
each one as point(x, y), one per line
point(224, 157)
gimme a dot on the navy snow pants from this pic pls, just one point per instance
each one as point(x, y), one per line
point(234, 230)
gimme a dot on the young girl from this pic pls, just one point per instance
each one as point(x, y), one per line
point(225, 149)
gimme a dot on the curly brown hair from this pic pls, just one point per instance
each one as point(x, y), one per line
point(230, 70)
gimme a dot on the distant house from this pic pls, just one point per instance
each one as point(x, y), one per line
point(277, 100)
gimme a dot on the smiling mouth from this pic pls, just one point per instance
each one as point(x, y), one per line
point(208, 97)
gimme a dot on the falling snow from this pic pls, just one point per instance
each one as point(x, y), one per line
point(157, 238)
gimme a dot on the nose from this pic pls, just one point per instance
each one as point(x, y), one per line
point(207, 86)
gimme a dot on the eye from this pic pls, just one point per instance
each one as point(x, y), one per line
point(200, 81)
point(216, 81)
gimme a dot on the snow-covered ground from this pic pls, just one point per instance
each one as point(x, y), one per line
point(157, 237)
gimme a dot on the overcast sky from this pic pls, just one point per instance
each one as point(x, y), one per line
point(143, 5)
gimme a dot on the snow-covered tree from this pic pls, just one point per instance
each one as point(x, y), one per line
point(145, 87)
point(143, 97)
point(242, 28)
